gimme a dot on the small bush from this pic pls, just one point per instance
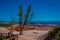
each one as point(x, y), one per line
point(52, 33)
point(58, 36)
point(2, 38)
point(54, 30)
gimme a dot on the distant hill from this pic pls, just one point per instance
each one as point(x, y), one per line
point(46, 22)
point(4, 24)
point(7, 23)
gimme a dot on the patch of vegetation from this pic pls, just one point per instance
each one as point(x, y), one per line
point(2, 38)
point(58, 36)
point(52, 33)
point(5, 25)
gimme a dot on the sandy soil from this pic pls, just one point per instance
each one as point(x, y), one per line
point(4, 30)
point(29, 34)
point(33, 35)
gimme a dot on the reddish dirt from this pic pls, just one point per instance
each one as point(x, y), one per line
point(17, 28)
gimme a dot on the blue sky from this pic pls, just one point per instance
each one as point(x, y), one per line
point(44, 10)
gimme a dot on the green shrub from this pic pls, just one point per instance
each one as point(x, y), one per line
point(54, 30)
point(52, 33)
point(49, 33)
point(3, 38)
point(58, 36)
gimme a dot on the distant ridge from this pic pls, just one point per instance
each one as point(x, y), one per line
point(40, 22)
point(8, 22)
point(46, 22)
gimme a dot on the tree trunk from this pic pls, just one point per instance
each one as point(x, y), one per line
point(21, 29)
